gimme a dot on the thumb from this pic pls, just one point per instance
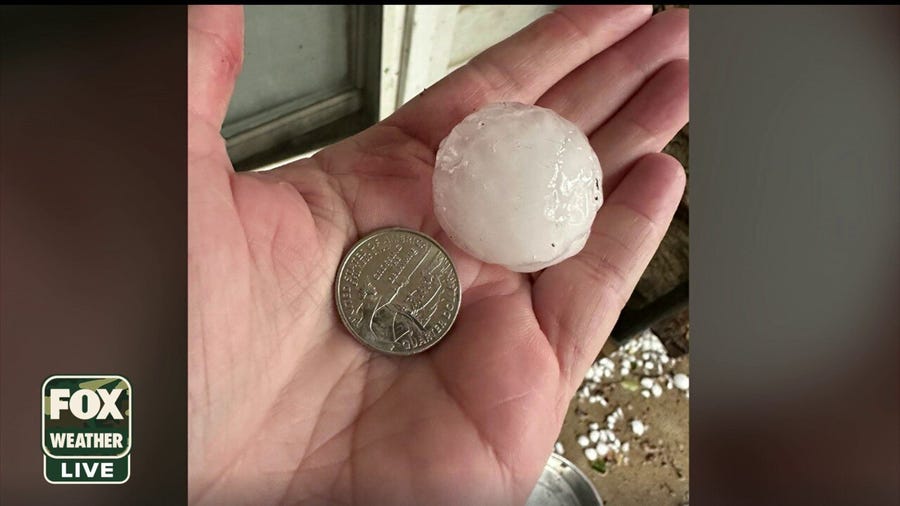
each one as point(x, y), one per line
point(215, 55)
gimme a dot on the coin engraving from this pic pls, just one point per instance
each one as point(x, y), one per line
point(397, 291)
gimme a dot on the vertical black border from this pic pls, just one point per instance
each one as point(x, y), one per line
point(93, 232)
point(795, 254)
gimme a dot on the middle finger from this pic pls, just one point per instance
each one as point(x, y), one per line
point(593, 92)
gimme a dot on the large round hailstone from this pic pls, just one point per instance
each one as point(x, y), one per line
point(517, 185)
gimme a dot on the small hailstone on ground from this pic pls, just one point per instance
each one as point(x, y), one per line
point(625, 448)
point(558, 448)
point(594, 436)
point(637, 427)
point(647, 382)
point(583, 441)
point(591, 454)
point(594, 426)
point(656, 390)
point(645, 393)
point(682, 382)
point(517, 185)
point(602, 449)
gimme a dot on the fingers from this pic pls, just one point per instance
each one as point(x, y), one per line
point(520, 68)
point(645, 124)
point(578, 301)
point(215, 54)
point(590, 94)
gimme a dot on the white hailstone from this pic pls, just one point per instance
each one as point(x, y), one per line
point(591, 454)
point(637, 427)
point(594, 436)
point(558, 448)
point(647, 382)
point(604, 437)
point(656, 390)
point(583, 441)
point(645, 393)
point(625, 448)
point(602, 449)
point(589, 374)
point(682, 382)
point(648, 365)
point(594, 426)
point(602, 401)
point(517, 185)
point(664, 359)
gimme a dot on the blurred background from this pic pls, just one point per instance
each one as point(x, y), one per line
point(315, 74)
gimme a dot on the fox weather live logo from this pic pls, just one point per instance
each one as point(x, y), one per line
point(86, 429)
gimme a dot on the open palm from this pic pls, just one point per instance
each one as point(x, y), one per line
point(284, 405)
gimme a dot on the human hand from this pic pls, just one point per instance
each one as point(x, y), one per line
point(284, 405)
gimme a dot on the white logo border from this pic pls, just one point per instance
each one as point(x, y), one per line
point(47, 452)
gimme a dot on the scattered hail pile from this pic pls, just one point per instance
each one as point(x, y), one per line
point(642, 365)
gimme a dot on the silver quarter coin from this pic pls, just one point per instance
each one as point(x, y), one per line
point(397, 291)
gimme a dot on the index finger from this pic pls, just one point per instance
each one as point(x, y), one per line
point(520, 68)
